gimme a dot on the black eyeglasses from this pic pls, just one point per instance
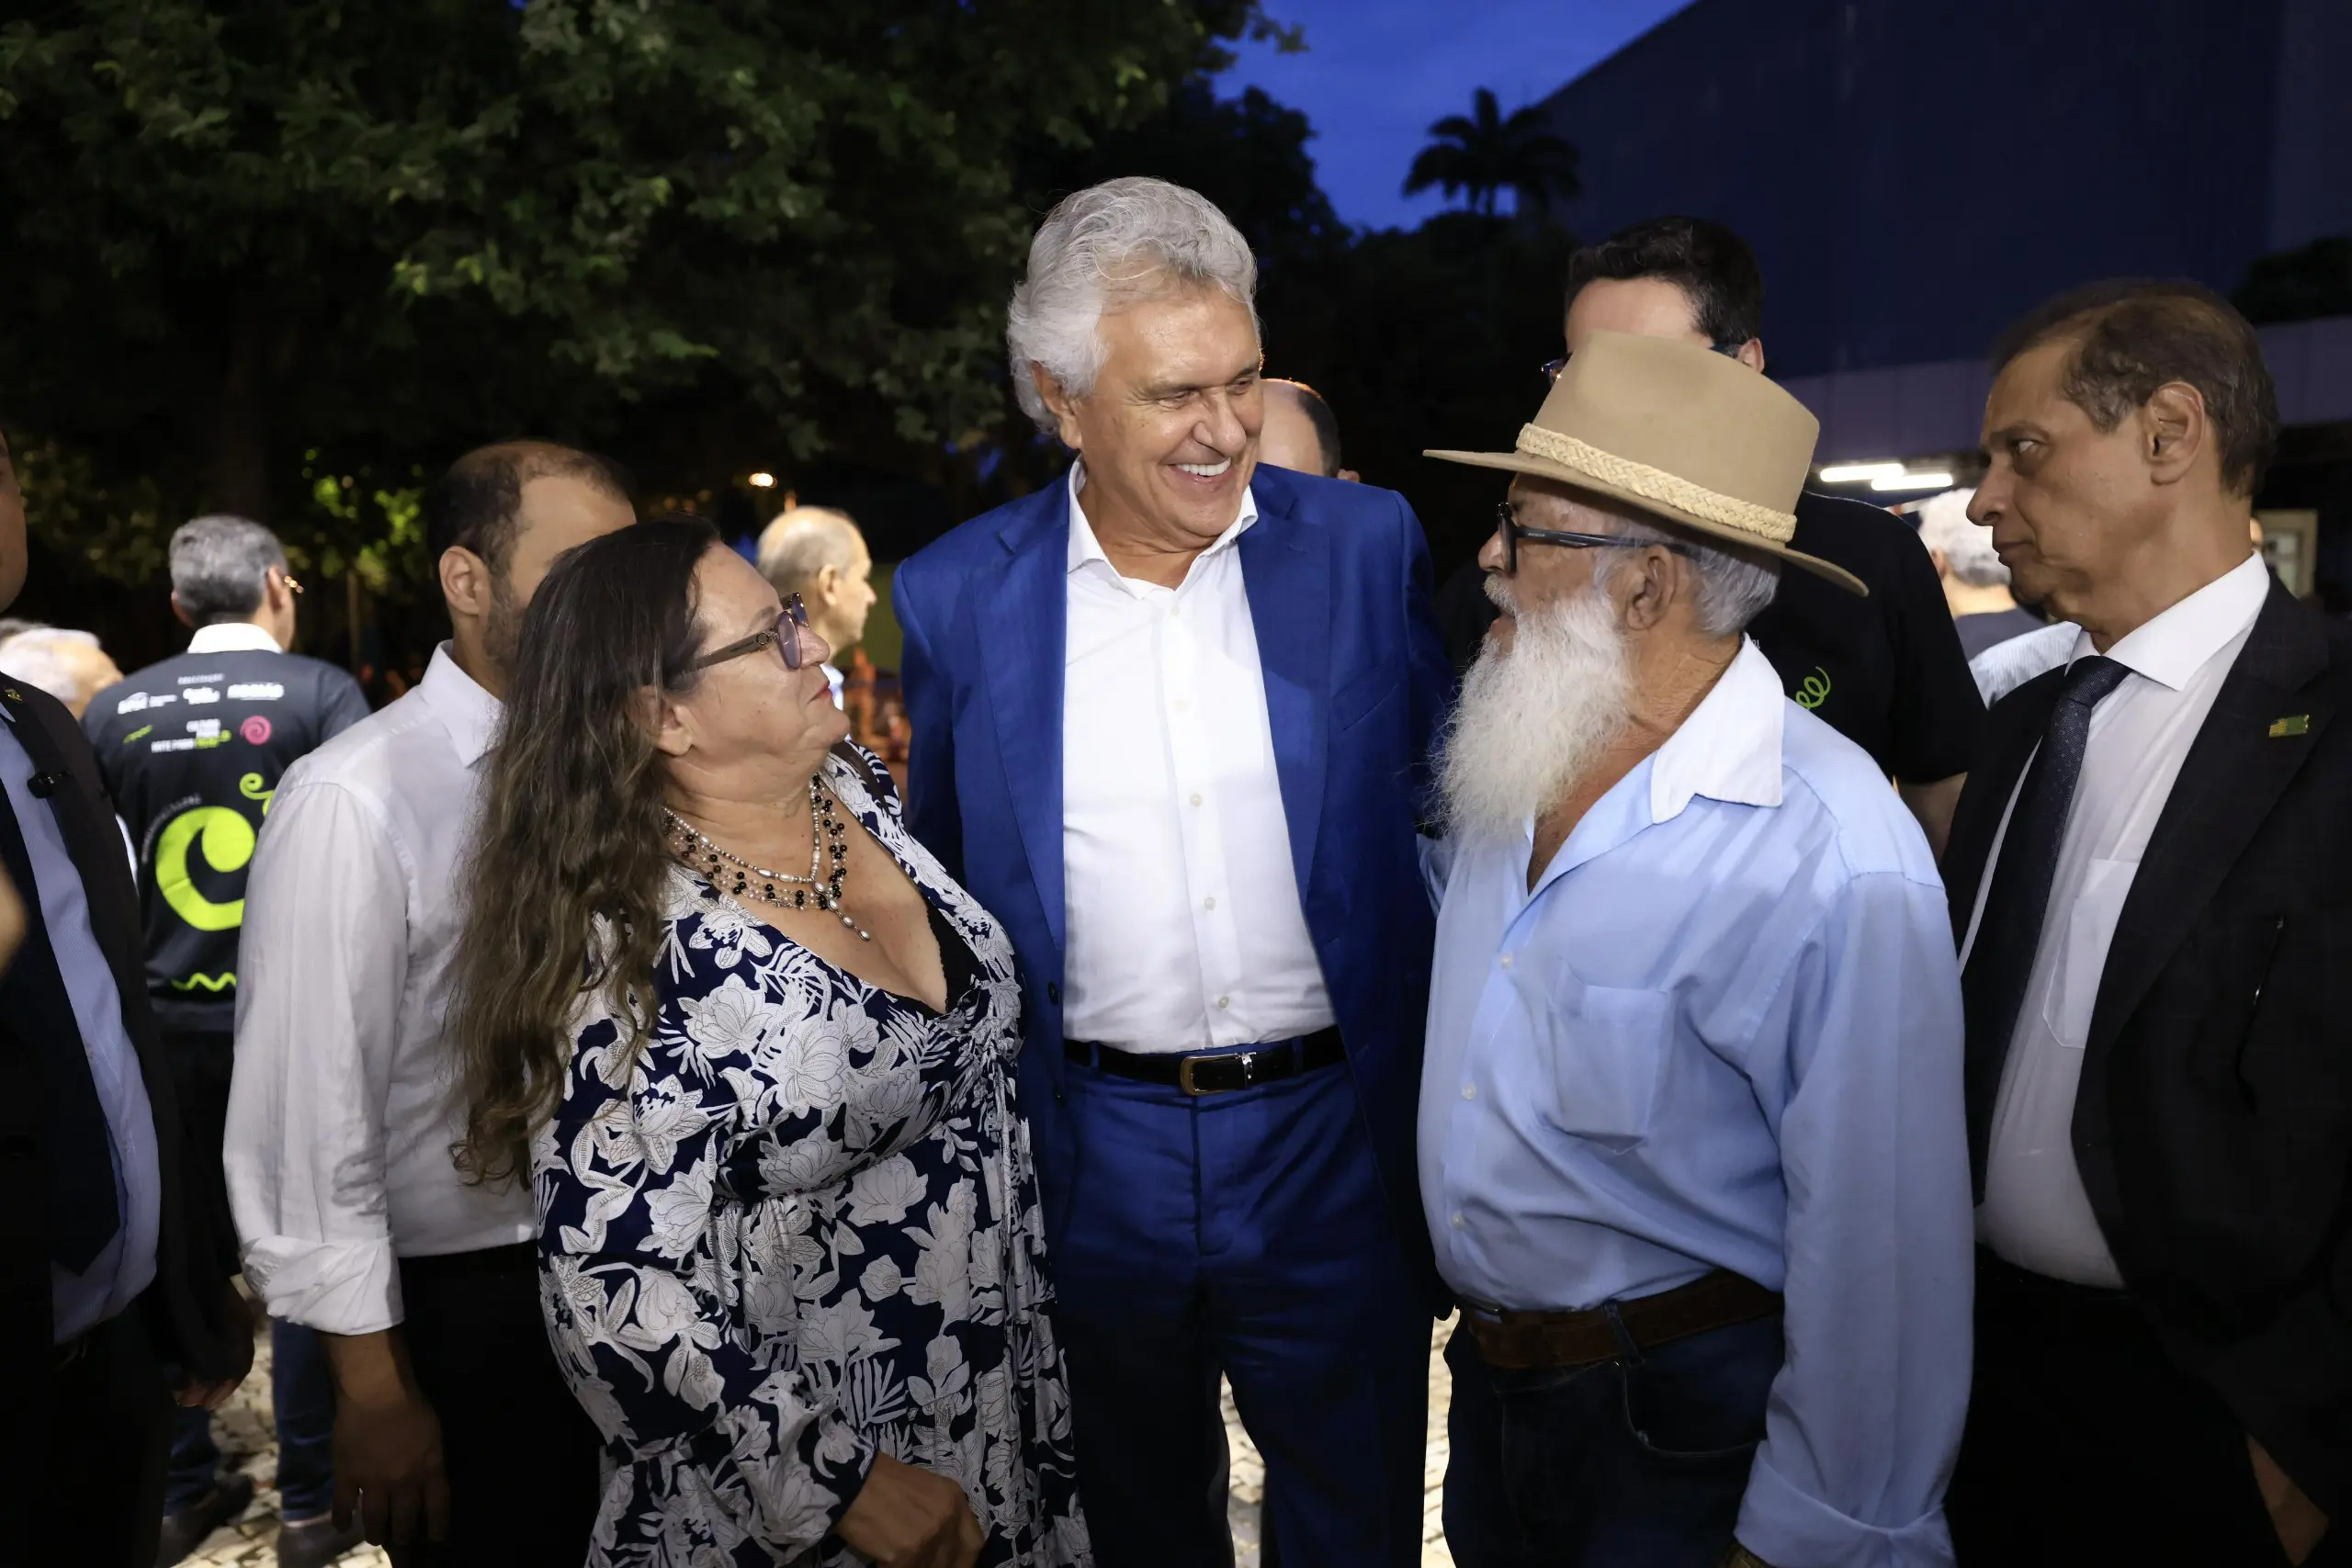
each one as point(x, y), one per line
point(1507, 525)
point(1551, 368)
point(789, 634)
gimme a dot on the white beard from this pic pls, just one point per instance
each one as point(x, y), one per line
point(1532, 721)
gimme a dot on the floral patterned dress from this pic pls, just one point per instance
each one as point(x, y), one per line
point(798, 1225)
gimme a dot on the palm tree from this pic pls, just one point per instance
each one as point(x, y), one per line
point(1482, 155)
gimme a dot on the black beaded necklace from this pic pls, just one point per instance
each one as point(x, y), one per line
point(738, 877)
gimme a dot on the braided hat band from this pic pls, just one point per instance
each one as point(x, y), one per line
point(1657, 484)
point(1679, 431)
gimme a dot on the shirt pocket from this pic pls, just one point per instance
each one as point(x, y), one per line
point(1608, 1046)
point(2073, 994)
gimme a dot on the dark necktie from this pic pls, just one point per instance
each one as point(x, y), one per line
point(36, 1012)
point(2009, 935)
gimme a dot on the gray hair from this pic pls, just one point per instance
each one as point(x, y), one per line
point(43, 657)
point(1104, 248)
point(803, 541)
point(218, 565)
point(1966, 547)
point(1734, 586)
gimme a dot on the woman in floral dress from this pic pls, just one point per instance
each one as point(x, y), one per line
point(792, 1251)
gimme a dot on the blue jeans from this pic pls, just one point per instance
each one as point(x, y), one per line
point(1247, 1234)
point(302, 1397)
point(1639, 1462)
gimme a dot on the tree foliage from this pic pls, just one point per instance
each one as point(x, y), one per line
point(1430, 337)
point(1485, 152)
point(287, 257)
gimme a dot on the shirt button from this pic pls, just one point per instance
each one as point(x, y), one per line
point(1223, 1003)
point(1196, 797)
point(1504, 960)
point(1469, 1091)
point(1209, 902)
point(1454, 1219)
point(1183, 703)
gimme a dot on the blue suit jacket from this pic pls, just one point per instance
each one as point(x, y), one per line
point(1338, 577)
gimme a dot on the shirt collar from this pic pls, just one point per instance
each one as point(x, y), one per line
point(1084, 547)
point(1729, 749)
point(233, 637)
point(471, 712)
point(2171, 647)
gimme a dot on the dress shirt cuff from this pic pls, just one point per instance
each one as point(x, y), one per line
point(1792, 1529)
point(336, 1287)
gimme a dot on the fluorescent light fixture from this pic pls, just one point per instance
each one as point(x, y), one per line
point(1855, 473)
point(765, 481)
point(1901, 481)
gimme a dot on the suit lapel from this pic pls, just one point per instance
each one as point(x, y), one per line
point(1286, 571)
point(2235, 771)
point(1024, 653)
point(92, 841)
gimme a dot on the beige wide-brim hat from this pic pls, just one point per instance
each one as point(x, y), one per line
point(1689, 436)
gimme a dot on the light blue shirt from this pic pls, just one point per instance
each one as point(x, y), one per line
point(1725, 1032)
point(127, 1266)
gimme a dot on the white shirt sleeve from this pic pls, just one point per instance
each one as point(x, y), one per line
point(322, 960)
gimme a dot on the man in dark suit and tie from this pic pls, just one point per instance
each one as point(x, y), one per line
point(114, 1298)
point(1170, 715)
point(2151, 881)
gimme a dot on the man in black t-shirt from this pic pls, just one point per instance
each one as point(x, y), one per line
point(1887, 671)
point(192, 750)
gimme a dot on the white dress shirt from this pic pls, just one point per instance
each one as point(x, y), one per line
point(233, 637)
point(1185, 931)
point(126, 1265)
point(340, 1117)
point(2035, 1213)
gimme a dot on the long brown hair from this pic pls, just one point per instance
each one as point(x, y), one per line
point(564, 887)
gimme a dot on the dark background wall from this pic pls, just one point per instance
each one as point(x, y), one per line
point(1914, 173)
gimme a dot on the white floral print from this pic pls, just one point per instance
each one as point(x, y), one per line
point(800, 1226)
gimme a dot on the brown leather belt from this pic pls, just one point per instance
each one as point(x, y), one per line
point(1520, 1341)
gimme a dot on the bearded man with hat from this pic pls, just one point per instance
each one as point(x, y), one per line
point(1691, 1141)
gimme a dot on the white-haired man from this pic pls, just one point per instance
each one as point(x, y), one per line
point(1170, 723)
point(70, 666)
point(1976, 585)
point(818, 553)
point(1691, 1139)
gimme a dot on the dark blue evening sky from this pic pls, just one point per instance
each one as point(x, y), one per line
point(1377, 71)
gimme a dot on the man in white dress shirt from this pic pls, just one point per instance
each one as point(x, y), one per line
point(1170, 719)
point(2148, 875)
point(454, 1434)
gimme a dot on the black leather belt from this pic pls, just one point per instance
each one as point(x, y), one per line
point(1221, 1072)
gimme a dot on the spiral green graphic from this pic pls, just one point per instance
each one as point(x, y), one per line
point(227, 840)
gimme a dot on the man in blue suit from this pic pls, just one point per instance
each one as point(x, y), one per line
point(1171, 724)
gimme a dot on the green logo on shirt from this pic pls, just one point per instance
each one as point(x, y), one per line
point(1814, 690)
point(227, 840)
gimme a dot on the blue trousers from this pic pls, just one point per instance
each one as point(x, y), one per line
point(302, 1399)
point(1634, 1463)
point(1245, 1233)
